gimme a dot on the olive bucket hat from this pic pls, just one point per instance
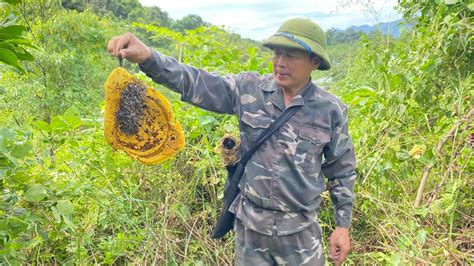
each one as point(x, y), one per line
point(301, 33)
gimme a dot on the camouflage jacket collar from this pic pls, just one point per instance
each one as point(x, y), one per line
point(277, 97)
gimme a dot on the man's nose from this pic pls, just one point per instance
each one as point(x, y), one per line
point(280, 60)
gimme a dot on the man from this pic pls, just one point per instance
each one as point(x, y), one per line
point(280, 190)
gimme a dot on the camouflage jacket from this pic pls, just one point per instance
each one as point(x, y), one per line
point(282, 183)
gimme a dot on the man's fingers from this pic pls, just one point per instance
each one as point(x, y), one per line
point(339, 245)
point(122, 42)
point(127, 53)
point(129, 47)
point(333, 252)
point(342, 252)
point(343, 255)
point(111, 46)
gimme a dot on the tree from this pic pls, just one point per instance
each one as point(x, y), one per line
point(150, 15)
point(119, 8)
point(122, 8)
point(335, 36)
point(189, 22)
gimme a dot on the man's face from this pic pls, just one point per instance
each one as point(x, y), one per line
point(292, 67)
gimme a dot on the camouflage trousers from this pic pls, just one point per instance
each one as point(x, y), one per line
point(301, 248)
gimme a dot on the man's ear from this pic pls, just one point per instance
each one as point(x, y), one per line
point(316, 62)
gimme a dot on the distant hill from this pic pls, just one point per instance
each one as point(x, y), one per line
point(391, 27)
point(353, 33)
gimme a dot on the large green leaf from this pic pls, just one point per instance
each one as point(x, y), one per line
point(64, 123)
point(428, 157)
point(65, 207)
point(69, 223)
point(20, 52)
point(8, 134)
point(42, 125)
point(21, 41)
point(10, 158)
point(35, 193)
point(10, 58)
point(14, 2)
point(72, 121)
point(20, 151)
point(8, 37)
point(8, 46)
point(24, 55)
point(14, 31)
point(58, 124)
point(56, 214)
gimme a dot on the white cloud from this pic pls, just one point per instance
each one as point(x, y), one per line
point(257, 19)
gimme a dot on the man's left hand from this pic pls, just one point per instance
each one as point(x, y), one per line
point(339, 245)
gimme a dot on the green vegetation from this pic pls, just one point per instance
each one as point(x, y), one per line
point(68, 198)
point(12, 42)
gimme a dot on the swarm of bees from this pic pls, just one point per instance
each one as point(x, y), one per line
point(139, 120)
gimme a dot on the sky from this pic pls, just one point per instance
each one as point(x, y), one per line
point(258, 19)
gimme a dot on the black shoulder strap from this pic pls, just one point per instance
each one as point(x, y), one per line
point(289, 112)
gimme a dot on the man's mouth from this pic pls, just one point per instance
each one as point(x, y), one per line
point(279, 74)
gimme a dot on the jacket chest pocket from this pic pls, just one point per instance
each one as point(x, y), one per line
point(253, 124)
point(310, 144)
